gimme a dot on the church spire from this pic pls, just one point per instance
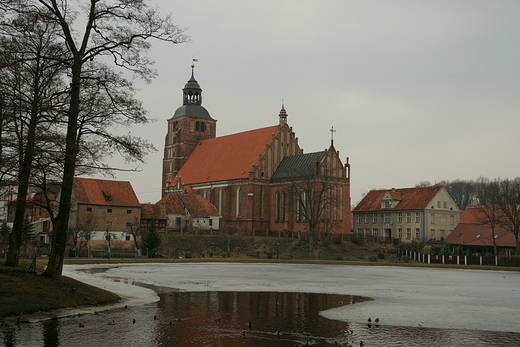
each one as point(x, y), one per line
point(283, 115)
point(192, 93)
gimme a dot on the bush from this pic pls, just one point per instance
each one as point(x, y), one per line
point(381, 255)
point(372, 258)
point(405, 259)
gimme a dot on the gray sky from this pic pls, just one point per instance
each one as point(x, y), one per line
point(417, 90)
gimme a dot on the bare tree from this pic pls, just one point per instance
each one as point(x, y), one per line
point(118, 29)
point(488, 212)
point(462, 192)
point(135, 230)
point(508, 203)
point(317, 198)
point(31, 85)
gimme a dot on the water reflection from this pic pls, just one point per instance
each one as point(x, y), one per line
point(236, 319)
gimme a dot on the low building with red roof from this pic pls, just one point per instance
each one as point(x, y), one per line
point(246, 175)
point(407, 214)
point(470, 236)
point(189, 212)
point(154, 215)
point(103, 213)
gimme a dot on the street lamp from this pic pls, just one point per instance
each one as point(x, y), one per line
point(277, 249)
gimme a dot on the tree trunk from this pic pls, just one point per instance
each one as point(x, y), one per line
point(24, 174)
point(59, 235)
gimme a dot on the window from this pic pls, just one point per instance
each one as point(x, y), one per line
point(109, 224)
point(359, 219)
point(387, 218)
point(374, 220)
point(128, 211)
point(445, 204)
point(367, 234)
point(89, 209)
point(417, 217)
point(128, 225)
point(109, 210)
point(239, 201)
point(220, 201)
point(388, 204)
point(261, 201)
point(438, 204)
point(367, 218)
point(432, 218)
point(400, 217)
point(452, 220)
point(178, 221)
point(375, 232)
point(400, 233)
point(417, 233)
point(408, 233)
point(408, 217)
point(210, 222)
point(127, 237)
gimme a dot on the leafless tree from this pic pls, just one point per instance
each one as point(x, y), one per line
point(488, 213)
point(31, 86)
point(502, 196)
point(120, 30)
point(134, 229)
point(317, 199)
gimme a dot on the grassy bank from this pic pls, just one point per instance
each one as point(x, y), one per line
point(24, 293)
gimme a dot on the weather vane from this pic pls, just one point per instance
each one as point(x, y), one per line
point(193, 61)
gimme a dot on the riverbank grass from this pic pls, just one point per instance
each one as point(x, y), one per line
point(22, 292)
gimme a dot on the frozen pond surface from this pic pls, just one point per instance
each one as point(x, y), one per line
point(284, 305)
point(404, 296)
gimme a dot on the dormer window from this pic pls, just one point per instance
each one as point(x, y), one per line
point(388, 204)
point(107, 196)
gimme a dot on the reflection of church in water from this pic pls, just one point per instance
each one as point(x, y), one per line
point(245, 175)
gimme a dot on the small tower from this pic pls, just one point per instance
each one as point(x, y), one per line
point(190, 124)
point(283, 116)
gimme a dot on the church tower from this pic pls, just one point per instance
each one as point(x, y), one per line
point(190, 124)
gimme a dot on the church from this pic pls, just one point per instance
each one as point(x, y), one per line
point(260, 181)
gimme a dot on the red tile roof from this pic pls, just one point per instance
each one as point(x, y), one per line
point(91, 191)
point(410, 199)
point(226, 157)
point(153, 211)
point(196, 205)
point(472, 234)
point(473, 213)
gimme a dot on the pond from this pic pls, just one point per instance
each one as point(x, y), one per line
point(243, 318)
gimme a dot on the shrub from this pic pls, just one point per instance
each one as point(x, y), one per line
point(372, 258)
point(381, 255)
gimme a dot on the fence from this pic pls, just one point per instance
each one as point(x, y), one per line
point(452, 259)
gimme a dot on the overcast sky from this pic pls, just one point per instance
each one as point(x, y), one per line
point(417, 90)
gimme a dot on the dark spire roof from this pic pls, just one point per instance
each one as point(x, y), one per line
point(192, 100)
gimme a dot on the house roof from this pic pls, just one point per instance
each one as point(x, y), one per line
point(91, 191)
point(409, 199)
point(472, 234)
point(196, 205)
point(226, 157)
point(153, 211)
point(300, 165)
